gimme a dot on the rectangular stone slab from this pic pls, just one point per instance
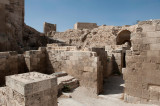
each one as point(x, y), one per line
point(31, 83)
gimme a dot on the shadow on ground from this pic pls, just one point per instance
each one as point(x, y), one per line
point(113, 85)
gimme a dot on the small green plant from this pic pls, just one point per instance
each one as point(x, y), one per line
point(66, 88)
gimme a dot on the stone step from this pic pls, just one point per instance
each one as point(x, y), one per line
point(60, 74)
point(67, 81)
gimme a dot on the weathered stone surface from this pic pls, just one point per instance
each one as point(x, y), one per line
point(141, 73)
point(29, 89)
point(83, 65)
point(49, 27)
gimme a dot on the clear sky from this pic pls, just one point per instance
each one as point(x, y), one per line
point(65, 13)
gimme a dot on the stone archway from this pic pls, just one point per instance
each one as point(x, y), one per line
point(124, 37)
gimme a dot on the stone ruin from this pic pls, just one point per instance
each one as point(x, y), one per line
point(35, 67)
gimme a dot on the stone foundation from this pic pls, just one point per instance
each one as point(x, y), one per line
point(29, 89)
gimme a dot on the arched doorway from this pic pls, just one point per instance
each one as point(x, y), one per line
point(123, 38)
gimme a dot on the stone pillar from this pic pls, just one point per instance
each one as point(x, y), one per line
point(32, 89)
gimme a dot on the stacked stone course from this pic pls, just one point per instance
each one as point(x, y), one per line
point(83, 65)
point(143, 64)
point(29, 89)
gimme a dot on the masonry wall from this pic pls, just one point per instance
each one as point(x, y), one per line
point(12, 20)
point(10, 63)
point(103, 57)
point(13, 63)
point(29, 89)
point(115, 57)
point(83, 65)
point(36, 60)
point(48, 27)
point(143, 64)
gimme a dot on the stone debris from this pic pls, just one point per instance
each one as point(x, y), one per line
point(65, 80)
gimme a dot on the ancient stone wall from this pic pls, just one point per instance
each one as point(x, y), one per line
point(13, 63)
point(48, 27)
point(10, 63)
point(29, 89)
point(81, 26)
point(83, 65)
point(143, 64)
point(103, 57)
point(36, 60)
point(97, 37)
point(12, 20)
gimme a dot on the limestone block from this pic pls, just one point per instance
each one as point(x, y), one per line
point(135, 47)
point(158, 40)
point(131, 99)
point(153, 34)
point(148, 28)
point(145, 94)
point(153, 53)
point(154, 95)
point(89, 69)
point(155, 46)
point(4, 2)
point(30, 83)
point(149, 40)
point(137, 41)
point(158, 27)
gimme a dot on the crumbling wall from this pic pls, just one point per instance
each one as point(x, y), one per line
point(48, 27)
point(143, 64)
point(97, 37)
point(83, 65)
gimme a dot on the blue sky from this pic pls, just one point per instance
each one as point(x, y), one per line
point(65, 13)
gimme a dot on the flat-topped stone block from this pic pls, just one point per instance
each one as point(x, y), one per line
point(31, 83)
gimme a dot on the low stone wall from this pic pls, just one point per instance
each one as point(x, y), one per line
point(12, 63)
point(86, 66)
point(83, 65)
point(8, 65)
point(29, 89)
point(142, 81)
point(103, 57)
point(36, 60)
point(115, 56)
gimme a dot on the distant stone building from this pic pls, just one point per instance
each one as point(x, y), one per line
point(49, 27)
point(80, 25)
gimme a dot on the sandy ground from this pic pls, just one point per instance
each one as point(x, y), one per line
point(112, 95)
